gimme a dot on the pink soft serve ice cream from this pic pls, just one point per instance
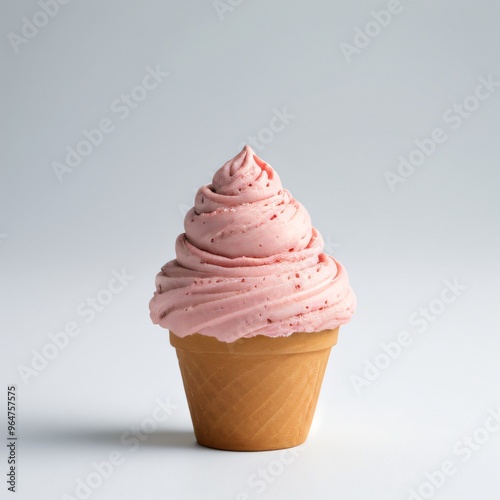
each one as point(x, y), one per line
point(250, 263)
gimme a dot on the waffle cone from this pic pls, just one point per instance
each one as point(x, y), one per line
point(254, 394)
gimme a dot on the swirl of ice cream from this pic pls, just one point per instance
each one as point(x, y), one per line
point(246, 212)
point(250, 263)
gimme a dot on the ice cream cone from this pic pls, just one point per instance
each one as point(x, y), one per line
point(254, 394)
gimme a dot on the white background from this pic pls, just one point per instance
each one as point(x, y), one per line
point(123, 206)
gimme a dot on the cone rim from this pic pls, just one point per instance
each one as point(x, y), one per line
point(297, 342)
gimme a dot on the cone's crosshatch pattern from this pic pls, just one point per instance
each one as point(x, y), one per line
point(258, 395)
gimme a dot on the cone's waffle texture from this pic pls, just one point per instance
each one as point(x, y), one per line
point(254, 394)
